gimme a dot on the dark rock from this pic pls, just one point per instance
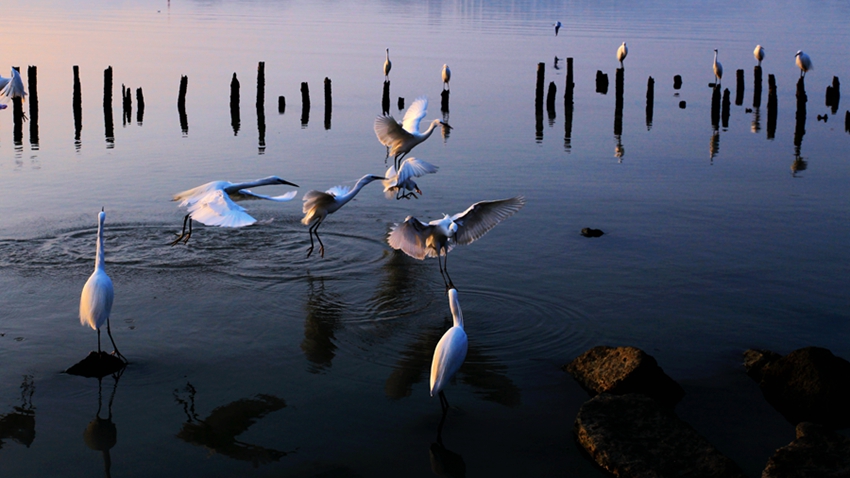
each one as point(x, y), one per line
point(807, 385)
point(97, 365)
point(682, 105)
point(634, 436)
point(589, 232)
point(622, 370)
point(817, 451)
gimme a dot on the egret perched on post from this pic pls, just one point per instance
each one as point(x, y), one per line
point(758, 53)
point(436, 238)
point(447, 75)
point(388, 65)
point(213, 203)
point(557, 26)
point(401, 183)
point(401, 138)
point(12, 87)
point(317, 206)
point(804, 63)
point(450, 352)
point(718, 68)
point(622, 52)
point(96, 299)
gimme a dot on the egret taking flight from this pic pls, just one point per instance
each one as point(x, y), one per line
point(718, 68)
point(758, 53)
point(804, 63)
point(447, 75)
point(388, 65)
point(317, 206)
point(214, 203)
point(557, 26)
point(401, 138)
point(436, 238)
point(450, 352)
point(12, 87)
point(401, 183)
point(96, 299)
point(621, 53)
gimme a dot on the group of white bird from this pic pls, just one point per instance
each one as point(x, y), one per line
point(804, 63)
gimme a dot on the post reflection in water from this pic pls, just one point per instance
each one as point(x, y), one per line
point(101, 434)
point(19, 425)
point(569, 87)
point(799, 163)
point(261, 107)
point(219, 430)
point(324, 314)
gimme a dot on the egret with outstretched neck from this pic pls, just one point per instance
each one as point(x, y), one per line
point(804, 63)
point(214, 203)
point(318, 204)
point(449, 353)
point(98, 293)
point(401, 138)
point(401, 184)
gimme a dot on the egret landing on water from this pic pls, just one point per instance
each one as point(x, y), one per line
point(388, 65)
point(401, 138)
point(317, 206)
point(96, 299)
point(448, 355)
point(213, 203)
point(622, 52)
point(718, 68)
point(400, 184)
point(436, 238)
point(804, 63)
point(447, 76)
point(557, 26)
point(758, 53)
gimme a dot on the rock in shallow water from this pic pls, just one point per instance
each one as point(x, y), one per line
point(97, 365)
point(817, 452)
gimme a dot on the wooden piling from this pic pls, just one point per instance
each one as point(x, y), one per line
point(400, 103)
point(756, 86)
point(619, 82)
point(725, 109)
point(550, 99)
point(772, 106)
point(261, 85)
point(650, 102)
point(181, 105)
point(833, 95)
point(328, 103)
point(601, 82)
point(305, 104)
point(32, 83)
point(281, 104)
point(77, 105)
point(140, 105)
point(385, 98)
point(715, 108)
point(739, 87)
point(570, 85)
point(538, 89)
point(847, 122)
point(444, 101)
point(108, 122)
point(800, 115)
point(677, 82)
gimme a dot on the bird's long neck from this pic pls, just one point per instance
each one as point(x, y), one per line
point(454, 305)
point(428, 131)
point(715, 56)
point(356, 189)
point(99, 263)
point(259, 182)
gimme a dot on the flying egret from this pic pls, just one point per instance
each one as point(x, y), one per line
point(557, 26)
point(447, 76)
point(401, 138)
point(436, 238)
point(450, 352)
point(804, 63)
point(388, 65)
point(12, 87)
point(718, 68)
point(96, 299)
point(317, 206)
point(758, 53)
point(399, 183)
point(621, 53)
point(213, 203)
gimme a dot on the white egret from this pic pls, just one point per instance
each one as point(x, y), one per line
point(12, 87)
point(401, 183)
point(401, 138)
point(436, 238)
point(317, 206)
point(388, 65)
point(718, 68)
point(621, 53)
point(449, 353)
point(804, 63)
point(447, 76)
point(758, 53)
point(213, 203)
point(557, 26)
point(96, 299)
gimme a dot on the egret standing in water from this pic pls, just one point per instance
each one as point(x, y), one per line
point(758, 53)
point(718, 68)
point(317, 206)
point(401, 183)
point(401, 138)
point(96, 299)
point(804, 63)
point(449, 354)
point(436, 238)
point(622, 52)
point(213, 203)
point(447, 75)
point(388, 65)
point(557, 26)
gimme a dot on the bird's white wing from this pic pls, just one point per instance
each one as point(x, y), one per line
point(411, 236)
point(4, 81)
point(338, 190)
point(483, 216)
point(391, 181)
point(389, 132)
point(248, 194)
point(413, 168)
point(15, 87)
point(414, 114)
point(217, 209)
point(191, 196)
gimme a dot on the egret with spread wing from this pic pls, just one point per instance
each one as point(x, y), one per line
point(449, 353)
point(12, 87)
point(214, 203)
point(436, 238)
point(401, 138)
point(401, 183)
point(318, 204)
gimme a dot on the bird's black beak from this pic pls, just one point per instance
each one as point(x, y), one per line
point(283, 181)
point(447, 126)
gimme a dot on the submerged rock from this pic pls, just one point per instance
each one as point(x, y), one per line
point(622, 370)
point(97, 365)
point(590, 232)
point(634, 436)
point(809, 384)
point(817, 451)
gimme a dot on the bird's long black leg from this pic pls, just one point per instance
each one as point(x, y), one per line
point(183, 233)
point(446, 268)
point(311, 241)
point(98, 342)
point(444, 404)
point(321, 246)
point(109, 332)
point(190, 230)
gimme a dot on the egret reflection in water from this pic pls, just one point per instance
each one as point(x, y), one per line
point(323, 319)
point(19, 425)
point(101, 434)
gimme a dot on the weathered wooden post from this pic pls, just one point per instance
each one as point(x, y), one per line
point(235, 120)
point(772, 106)
point(181, 105)
point(739, 87)
point(650, 102)
point(140, 102)
point(109, 125)
point(305, 104)
point(328, 103)
point(32, 82)
point(77, 104)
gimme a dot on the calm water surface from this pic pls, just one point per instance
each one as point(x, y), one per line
point(249, 359)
